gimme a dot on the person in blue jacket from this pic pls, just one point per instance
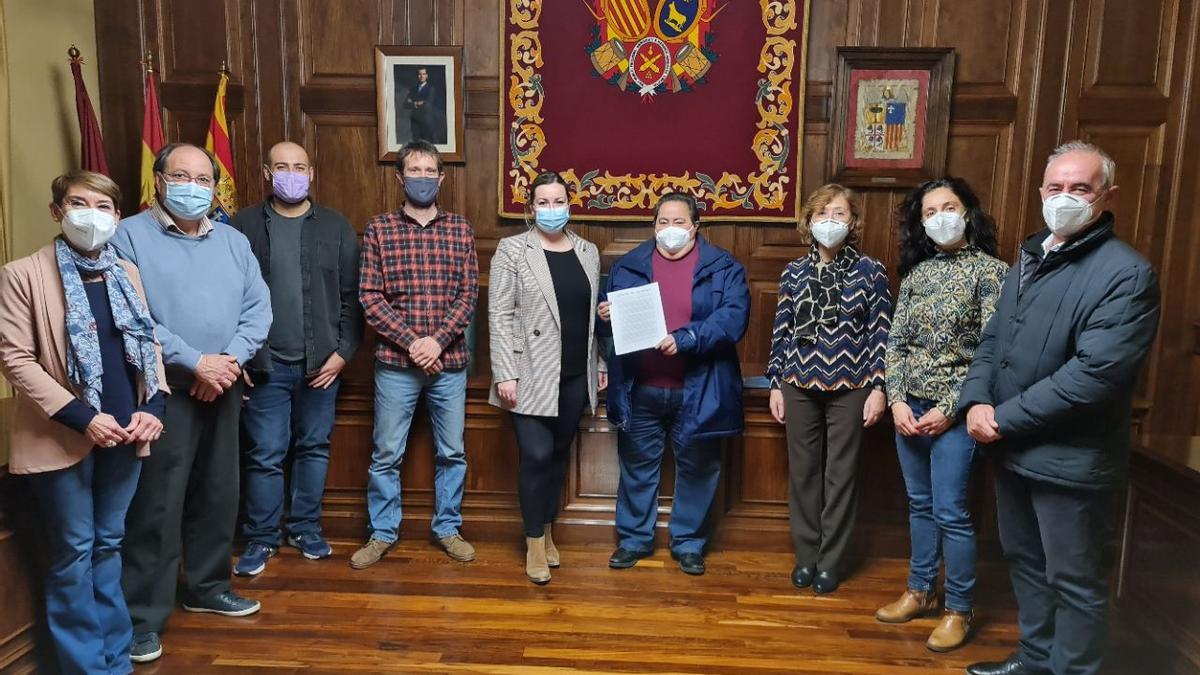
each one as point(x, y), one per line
point(688, 389)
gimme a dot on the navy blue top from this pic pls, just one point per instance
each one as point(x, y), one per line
point(119, 394)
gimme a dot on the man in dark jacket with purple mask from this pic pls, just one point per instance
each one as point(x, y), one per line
point(1050, 396)
point(309, 258)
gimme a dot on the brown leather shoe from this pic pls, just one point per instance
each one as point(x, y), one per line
point(552, 558)
point(457, 548)
point(952, 632)
point(911, 605)
point(370, 554)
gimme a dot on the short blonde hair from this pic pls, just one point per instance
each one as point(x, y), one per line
point(97, 182)
point(818, 200)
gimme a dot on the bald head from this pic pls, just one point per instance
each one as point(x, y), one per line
point(287, 152)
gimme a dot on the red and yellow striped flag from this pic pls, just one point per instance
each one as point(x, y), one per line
point(152, 139)
point(218, 144)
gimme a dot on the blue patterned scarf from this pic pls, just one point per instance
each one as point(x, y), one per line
point(84, 366)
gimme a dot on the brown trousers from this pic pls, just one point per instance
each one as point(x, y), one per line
point(824, 437)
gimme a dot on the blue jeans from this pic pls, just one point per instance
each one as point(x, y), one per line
point(283, 410)
point(654, 413)
point(937, 471)
point(396, 394)
point(84, 510)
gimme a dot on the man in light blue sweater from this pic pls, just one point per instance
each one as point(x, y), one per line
point(212, 313)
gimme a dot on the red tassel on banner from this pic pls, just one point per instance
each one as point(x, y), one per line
point(91, 145)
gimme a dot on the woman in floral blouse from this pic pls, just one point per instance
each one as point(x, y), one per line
point(950, 281)
point(826, 373)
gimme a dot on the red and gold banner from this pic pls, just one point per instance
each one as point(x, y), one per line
point(630, 99)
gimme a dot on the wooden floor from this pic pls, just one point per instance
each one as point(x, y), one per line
point(419, 612)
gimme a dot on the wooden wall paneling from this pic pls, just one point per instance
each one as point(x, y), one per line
point(121, 93)
point(1030, 74)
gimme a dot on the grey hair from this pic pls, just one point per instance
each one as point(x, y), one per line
point(1108, 168)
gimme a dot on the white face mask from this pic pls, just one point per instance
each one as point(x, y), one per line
point(829, 232)
point(945, 228)
point(1066, 214)
point(672, 239)
point(88, 229)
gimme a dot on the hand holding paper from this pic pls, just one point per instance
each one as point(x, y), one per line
point(638, 321)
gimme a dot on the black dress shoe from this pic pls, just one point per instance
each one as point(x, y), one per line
point(690, 563)
point(802, 577)
point(624, 558)
point(825, 582)
point(1010, 666)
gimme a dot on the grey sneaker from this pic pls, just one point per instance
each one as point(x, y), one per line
point(146, 648)
point(370, 554)
point(457, 548)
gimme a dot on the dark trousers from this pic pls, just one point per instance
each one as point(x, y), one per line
point(545, 446)
point(282, 411)
point(824, 436)
point(656, 413)
point(1054, 540)
point(185, 506)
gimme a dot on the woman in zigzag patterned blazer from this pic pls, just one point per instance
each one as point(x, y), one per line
point(826, 370)
point(545, 369)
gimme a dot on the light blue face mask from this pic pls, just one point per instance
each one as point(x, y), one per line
point(552, 219)
point(188, 200)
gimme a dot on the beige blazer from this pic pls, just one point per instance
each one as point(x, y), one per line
point(33, 356)
point(524, 324)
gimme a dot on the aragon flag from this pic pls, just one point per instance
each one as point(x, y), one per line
point(218, 144)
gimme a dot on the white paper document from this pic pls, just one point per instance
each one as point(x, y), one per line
point(637, 318)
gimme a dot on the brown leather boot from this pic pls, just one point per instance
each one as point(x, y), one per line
point(552, 558)
point(535, 560)
point(952, 632)
point(911, 605)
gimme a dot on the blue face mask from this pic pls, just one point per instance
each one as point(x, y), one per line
point(188, 200)
point(421, 191)
point(552, 219)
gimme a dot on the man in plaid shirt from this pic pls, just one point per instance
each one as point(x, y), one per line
point(418, 286)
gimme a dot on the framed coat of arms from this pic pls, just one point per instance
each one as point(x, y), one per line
point(891, 115)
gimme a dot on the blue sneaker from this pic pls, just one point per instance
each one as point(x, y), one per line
point(225, 604)
point(311, 544)
point(146, 648)
point(254, 559)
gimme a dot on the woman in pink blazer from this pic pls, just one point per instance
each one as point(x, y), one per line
point(77, 344)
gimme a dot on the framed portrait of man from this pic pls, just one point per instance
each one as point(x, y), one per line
point(418, 94)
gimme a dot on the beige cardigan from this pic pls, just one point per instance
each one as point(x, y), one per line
point(33, 348)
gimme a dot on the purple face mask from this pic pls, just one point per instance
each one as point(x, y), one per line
point(291, 188)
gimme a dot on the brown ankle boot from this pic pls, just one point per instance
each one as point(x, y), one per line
point(552, 558)
point(952, 632)
point(910, 606)
point(535, 560)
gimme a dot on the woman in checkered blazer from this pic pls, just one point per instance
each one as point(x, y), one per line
point(545, 367)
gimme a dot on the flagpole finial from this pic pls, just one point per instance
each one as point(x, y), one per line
point(74, 54)
point(148, 61)
point(224, 69)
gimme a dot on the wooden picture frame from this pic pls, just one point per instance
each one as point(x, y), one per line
point(407, 107)
point(891, 115)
